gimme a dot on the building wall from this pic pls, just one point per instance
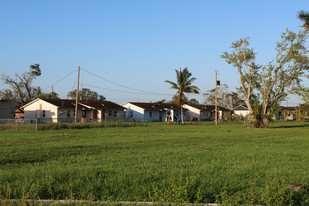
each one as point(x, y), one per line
point(152, 116)
point(67, 115)
point(243, 113)
point(36, 111)
point(177, 115)
point(193, 113)
point(133, 111)
point(171, 113)
point(7, 109)
point(110, 115)
point(206, 116)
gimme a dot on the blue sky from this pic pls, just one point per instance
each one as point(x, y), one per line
point(137, 43)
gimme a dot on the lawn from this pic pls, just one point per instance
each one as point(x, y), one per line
point(192, 163)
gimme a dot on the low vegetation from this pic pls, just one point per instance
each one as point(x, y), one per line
point(227, 164)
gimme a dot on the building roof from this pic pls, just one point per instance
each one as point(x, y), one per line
point(67, 103)
point(204, 107)
point(155, 106)
point(294, 108)
point(97, 104)
point(84, 104)
point(240, 107)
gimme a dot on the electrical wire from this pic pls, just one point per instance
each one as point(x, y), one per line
point(59, 80)
point(147, 92)
point(127, 91)
point(74, 84)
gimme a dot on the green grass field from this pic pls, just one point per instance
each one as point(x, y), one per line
point(193, 163)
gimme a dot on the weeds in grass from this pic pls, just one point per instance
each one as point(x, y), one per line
point(177, 192)
point(274, 192)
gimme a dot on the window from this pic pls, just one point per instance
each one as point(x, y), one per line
point(44, 113)
point(115, 113)
point(150, 114)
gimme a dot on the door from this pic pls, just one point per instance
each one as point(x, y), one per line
point(95, 115)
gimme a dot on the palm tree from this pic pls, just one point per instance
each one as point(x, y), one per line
point(304, 16)
point(183, 85)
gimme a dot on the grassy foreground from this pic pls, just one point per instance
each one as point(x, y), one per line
point(192, 163)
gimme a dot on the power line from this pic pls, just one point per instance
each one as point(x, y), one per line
point(115, 90)
point(147, 92)
point(74, 84)
point(59, 80)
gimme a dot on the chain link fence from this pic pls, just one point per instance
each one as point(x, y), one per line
point(45, 123)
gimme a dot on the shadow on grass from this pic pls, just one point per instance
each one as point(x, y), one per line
point(290, 124)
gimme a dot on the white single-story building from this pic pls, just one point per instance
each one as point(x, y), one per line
point(152, 112)
point(240, 111)
point(198, 112)
point(63, 110)
point(206, 112)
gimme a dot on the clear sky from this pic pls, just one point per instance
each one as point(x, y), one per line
point(137, 43)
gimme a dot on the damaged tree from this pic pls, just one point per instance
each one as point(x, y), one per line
point(265, 87)
point(21, 89)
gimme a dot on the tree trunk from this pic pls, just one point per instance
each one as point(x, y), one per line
point(265, 123)
point(262, 123)
point(181, 114)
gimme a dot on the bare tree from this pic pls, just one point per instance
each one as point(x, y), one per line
point(225, 97)
point(21, 86)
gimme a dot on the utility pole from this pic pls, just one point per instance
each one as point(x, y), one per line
point(77, 91)
point(52, 92)
point(216, 105)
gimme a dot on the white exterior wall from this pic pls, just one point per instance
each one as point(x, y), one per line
point(63, 113)
point(291, 116)
point(155, 117)
point(171, 111)
point(205, 115)
point(177, 114)
point(106, 114)
point(243, 113)
point(138, 113)
point(35, 110)
point(120, 113)
point(100, 117)
point(193, 112)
